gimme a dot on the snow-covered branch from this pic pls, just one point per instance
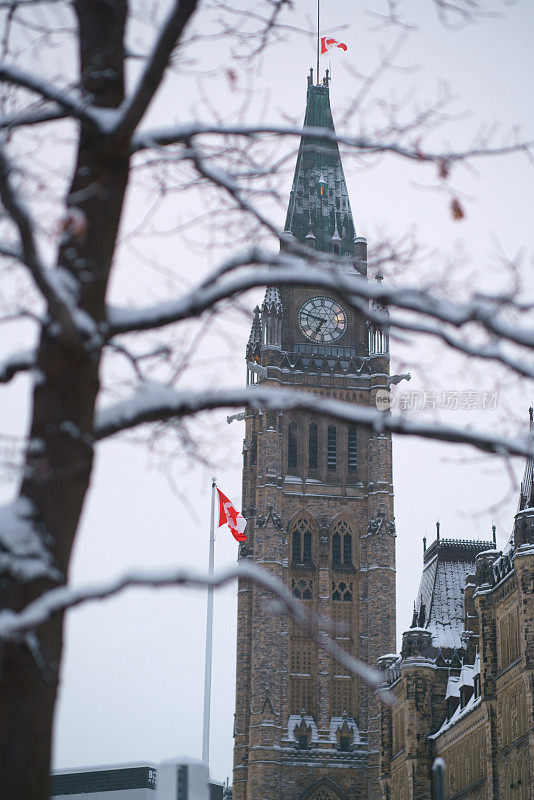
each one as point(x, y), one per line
point(14, 625)
point(65, 100)
point(18, 362)
point(53, 287)
point(180, 134)
point(292, 271)
point(49, 113)
point(154, 402)
point(137, 102)
point(20, 214)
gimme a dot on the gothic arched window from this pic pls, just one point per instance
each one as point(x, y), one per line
point(341, 544)
point(292, 447)
point(344, 618)
point(312, 445)
point(306, 546)
point(336, 550)
point(296, 546)
point(347, 549)
point(301, 541)
point(331, 449)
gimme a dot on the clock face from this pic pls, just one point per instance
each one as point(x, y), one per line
point(322, 319)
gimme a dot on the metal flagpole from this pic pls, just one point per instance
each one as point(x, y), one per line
point(318, 37)
point(209, 636)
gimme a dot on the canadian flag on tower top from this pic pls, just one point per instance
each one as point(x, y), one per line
point(327, 43)
point(229, 514)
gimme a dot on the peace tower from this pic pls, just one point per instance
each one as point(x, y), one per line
point(318, 497)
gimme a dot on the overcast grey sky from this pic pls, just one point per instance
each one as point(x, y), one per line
point(133, 666)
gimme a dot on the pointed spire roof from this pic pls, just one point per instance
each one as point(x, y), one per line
point(255, 331)
point(526, 497)
point(272, 303)
point(319, 200)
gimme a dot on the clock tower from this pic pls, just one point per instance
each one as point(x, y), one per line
point(318, 497)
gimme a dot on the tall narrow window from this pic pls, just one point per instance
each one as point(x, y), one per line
point(307, 547)
point(301, 541)
point(292, 448)
point(302, 669)
point(312, 446)
point(341, 544)
point(347, 549)
point(331, 453)
point(352, 449)
point(345, 620)
point(296, 547)
point(336, 549)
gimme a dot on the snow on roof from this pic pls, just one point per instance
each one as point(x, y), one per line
point(453, 687)
point(460, 712)
point(467, 675)
point(337, 722)
point(476, 665)
point(448, 562)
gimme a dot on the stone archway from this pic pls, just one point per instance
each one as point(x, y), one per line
point(323, 789)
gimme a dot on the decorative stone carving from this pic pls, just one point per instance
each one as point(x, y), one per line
point(380, 520)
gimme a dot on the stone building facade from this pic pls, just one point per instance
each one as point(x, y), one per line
point(464, 681)
point(318, 498)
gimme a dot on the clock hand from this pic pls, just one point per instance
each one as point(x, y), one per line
point(320, 325)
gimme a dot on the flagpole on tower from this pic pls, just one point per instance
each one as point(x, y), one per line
point(209, 635)
point(318, 36)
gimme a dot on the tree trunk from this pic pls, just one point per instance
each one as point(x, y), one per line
point(60, 454)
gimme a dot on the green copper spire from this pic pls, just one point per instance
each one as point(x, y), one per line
point(319, 212)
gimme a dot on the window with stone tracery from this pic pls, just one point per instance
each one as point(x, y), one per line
point(344, 619)
point(322, 794)
point(301, 541)
point(302, 588)
point(342, 591)
point(341, 544)
point(302, 670)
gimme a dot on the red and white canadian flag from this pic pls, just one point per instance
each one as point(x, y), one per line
point(229, 514)
point(327, 43)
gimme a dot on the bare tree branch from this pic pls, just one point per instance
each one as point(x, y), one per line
point(55, 296)
point(137, 103)
point(66, 100)
point(184, 133)
point(291, 271)
point(13, 625)
point(19, 362)
point(153, 403)
point(50, 113)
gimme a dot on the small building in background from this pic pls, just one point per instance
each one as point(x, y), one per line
point(171, 780)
